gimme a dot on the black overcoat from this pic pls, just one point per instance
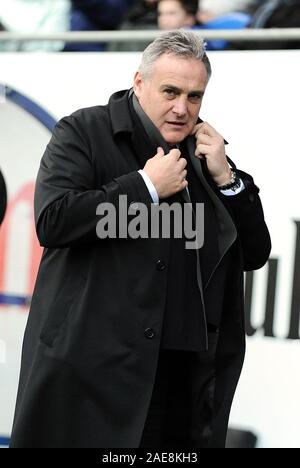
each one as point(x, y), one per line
point(93, 335)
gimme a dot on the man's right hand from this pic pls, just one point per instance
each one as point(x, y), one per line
point(167, 172)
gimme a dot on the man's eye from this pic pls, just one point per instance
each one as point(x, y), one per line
point(195, 97)
point(170, 92)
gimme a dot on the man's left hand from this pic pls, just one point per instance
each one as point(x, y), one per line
point(210, 144)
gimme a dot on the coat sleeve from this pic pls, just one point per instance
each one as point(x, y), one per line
point(248, 215)
point(66, 195)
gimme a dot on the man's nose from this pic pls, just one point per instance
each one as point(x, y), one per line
point(180, 106)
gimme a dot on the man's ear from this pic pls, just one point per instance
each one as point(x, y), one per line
point(137, 83)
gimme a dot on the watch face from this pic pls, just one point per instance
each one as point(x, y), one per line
point(236, 186)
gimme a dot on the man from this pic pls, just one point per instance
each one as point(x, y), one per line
point(210, 9)
point(138, 342)
point(176, 14)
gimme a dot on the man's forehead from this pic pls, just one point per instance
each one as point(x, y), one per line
point(174, 71)
point(170, 63)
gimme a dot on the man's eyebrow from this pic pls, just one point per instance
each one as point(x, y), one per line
point(198, 92)
point(172, 87)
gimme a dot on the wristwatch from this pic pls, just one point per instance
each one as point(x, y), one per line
point(234, 184)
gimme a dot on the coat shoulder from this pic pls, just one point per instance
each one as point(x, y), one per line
point(88, 115)
point(86, 123)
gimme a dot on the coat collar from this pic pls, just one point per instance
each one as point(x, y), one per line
point(119, 112)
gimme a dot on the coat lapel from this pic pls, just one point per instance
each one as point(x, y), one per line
point(227, 231)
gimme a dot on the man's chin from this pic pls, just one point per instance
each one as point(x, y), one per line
point(174, 138)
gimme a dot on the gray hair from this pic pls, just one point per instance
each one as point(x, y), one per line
point(182, 43)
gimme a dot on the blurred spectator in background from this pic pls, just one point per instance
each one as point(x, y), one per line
point(211, 9)
point(34, 16)
point(225, 14)
point(277, 14)
point(3, 197)
point(96, 15)
point(142, 15)
point(176, 14)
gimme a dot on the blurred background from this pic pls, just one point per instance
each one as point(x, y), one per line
point(60, 55)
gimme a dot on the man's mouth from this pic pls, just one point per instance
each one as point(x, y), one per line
point(177, 124)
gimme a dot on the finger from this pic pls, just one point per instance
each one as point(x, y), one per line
point(196, 128)
point(160, 152)
point(184, 184)
point(182, 163)
point(204, 139)
point(175, 153)
point(184, 174)
point(207, 129)
point(202, 150)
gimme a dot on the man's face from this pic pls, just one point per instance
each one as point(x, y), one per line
point(172, 95)
point(171, 15)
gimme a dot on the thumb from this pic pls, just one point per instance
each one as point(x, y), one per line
point(160, 152)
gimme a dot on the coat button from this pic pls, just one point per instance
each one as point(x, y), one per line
point(149, 333)
point(160, 265)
